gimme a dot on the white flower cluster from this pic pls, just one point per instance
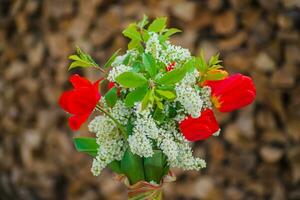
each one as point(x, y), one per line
point(166, 53)
point(175, 53)
point(205, 94)
point(116, 71)
point(111, 143)
point(144, 129)
point(153, 45)
point(120, 112)
point(177, 149)
point(188, 96)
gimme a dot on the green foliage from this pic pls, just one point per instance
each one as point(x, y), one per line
point(169, 33)
point(111, 97)
point(135, 96)
point(148, 99)
point(132, 167)
point(149, 64)
point(154, 166)
point(131, 79)
point(141, 24)
point(166, 94)
point(115, 166)
point(82, 59)
point(86, 145)
point(111, 59)
point(159, 115)
point(132, 33)
point(158, 24)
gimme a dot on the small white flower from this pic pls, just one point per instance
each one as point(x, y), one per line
point(116, 71)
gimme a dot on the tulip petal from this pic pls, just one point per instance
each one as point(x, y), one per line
point(65, 99)
point(77, 120)
point(200, 128)
point(234, 92)
point(78, 81)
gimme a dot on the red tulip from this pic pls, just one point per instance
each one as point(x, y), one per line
point(200, 128)
point(233, 92)
point(80, 101)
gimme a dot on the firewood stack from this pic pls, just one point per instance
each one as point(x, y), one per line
point(257, 155)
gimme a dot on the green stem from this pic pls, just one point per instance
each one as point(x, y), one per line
point(120, 126)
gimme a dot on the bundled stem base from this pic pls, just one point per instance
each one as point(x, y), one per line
point(145, 190)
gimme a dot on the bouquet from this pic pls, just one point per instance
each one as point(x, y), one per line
point(159, 98)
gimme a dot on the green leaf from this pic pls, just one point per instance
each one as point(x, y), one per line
point(135, 44)
point(132, 33)
point(132, 167)
point(149, 64)
point(111, 59)
point(111, 97)
point(189, 66)
point(214, 60)
point(135, 96)
point(172, 77)
point(115, 166)
point(141, 24)
point(154, 166)
point(216, 75)
point(129, 126)
point(145, 35)
point(82, 59)
point(148, 98)
point(131, 79)
point(201, 64)
point(169, 33)
point(158, 24)
point(159, 115)
point(86, 145)
point(166, 94)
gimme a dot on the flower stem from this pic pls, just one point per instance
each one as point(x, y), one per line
point(120, 126)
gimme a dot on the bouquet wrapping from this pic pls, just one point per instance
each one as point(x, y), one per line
point(153, 101)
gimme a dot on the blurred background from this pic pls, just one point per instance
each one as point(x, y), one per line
point(257, 155)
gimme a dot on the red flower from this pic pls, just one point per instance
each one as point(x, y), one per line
point(199, 128)
point(233, 92)
point(170, 66)
point(80, 101)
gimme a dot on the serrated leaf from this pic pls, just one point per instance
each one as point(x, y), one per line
point(158, 24)
point(111, 97)
point(132, 167)
point(166, 94)
point(86, 145)
point(135, 96)
point(131, 79)
point(149, 64)
point(132, 33)
point(111, 59)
